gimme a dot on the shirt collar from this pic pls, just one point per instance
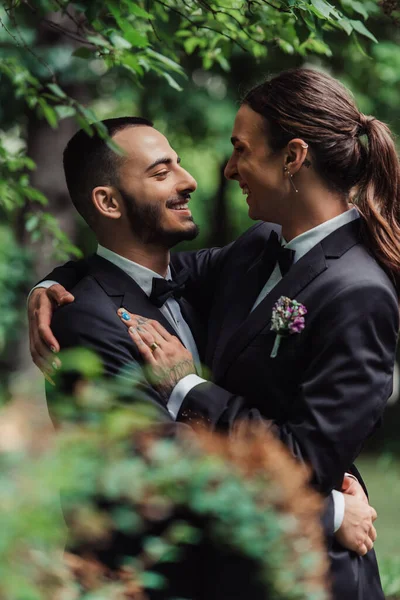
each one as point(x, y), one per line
point(142, 275)
point(307, 240)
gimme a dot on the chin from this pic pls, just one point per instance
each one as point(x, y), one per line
point(253, 214)
point(183, 234)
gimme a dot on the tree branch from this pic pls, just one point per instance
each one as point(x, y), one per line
point(201, 26)
point(22, 43)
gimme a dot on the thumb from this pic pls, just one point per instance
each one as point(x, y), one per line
point(59, 295)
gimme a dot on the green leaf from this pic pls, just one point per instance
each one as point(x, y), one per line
point(346, 25)
point(64, 112)
point(174, 84)
point(117, 149)
point(190, 44)
point(130, 61)
point(98, 40)
point(49, 113)
point(322, 7)
point(138, 11)
point(57, 90)
point(31, 222)
point(152, 580)
point(174, 66)
point(83, 52)
point(362, 30)
point(82, 122)
point(357, 7)
point(136, 39)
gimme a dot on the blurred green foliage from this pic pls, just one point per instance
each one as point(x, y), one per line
point(119, 473)
point(134, 58)
point(157, 38)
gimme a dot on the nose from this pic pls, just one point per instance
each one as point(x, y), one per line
point(230, 171)
point(187, 182)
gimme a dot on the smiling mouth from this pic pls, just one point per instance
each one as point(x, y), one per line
point(179, 204)
point(245, 190)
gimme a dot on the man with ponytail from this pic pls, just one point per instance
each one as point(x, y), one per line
point(324, 180)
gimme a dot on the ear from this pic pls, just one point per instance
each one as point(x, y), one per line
point(295, 155)
point(107, 202)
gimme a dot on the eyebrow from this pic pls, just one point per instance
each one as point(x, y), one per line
point(162, 161)
point(234, 139)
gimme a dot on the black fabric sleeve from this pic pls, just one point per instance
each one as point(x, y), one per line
point(328, 520)
point(343, 391)
point(69, 274)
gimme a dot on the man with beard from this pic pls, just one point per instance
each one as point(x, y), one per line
point(137, 206)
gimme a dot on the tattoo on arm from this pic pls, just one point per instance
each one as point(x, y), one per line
point(178, 371)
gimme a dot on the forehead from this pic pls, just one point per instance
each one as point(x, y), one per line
point(143, 145)
point(249, 126)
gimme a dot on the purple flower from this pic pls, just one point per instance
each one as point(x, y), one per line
point(287, 318)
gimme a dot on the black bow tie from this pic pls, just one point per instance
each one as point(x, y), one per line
point(284, 256)
point(162, 289)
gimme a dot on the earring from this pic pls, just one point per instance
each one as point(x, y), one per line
point(291, 179)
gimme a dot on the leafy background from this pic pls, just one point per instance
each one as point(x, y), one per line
point(183, 64)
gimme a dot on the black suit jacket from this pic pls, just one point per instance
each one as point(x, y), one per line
point(327, 388)
point(92, 322)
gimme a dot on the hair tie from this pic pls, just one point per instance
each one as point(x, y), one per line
point(362, 130)
point(363, 126)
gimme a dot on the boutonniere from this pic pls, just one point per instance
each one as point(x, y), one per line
point(287, 318)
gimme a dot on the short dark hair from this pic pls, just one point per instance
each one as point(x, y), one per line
point(89, 162)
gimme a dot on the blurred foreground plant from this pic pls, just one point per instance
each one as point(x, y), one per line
point(139, 497)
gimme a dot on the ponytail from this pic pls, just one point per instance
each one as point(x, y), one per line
point(378, 194)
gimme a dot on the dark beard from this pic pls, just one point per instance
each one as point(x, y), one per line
point(145, 222)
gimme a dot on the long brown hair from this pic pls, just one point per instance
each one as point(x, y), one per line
point(353, 153)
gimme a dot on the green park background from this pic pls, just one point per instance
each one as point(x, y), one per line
point(184, 65)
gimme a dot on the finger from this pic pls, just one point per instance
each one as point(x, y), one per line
point(143, 348)
point(372, 534)
point(369, 544)
point(44, 366)
point(125, 316)
point(374, 514)
point(46, 335)
point(362, 550)
point(48, 378)
point(42, 356)
point(40, 319)
point(148, 337)
point(59, 295)
point(162, 331)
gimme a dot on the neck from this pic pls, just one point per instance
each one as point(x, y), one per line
point(311, 213)
point(152, 257)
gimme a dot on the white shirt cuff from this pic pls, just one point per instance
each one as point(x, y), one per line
point(338, 509)
point(43, 284)
point(180, 391)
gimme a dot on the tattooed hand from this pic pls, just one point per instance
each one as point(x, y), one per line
point(168, 359)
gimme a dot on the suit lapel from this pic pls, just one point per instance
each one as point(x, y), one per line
point(125, 291)
point(240, 299)
point(302, 273)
